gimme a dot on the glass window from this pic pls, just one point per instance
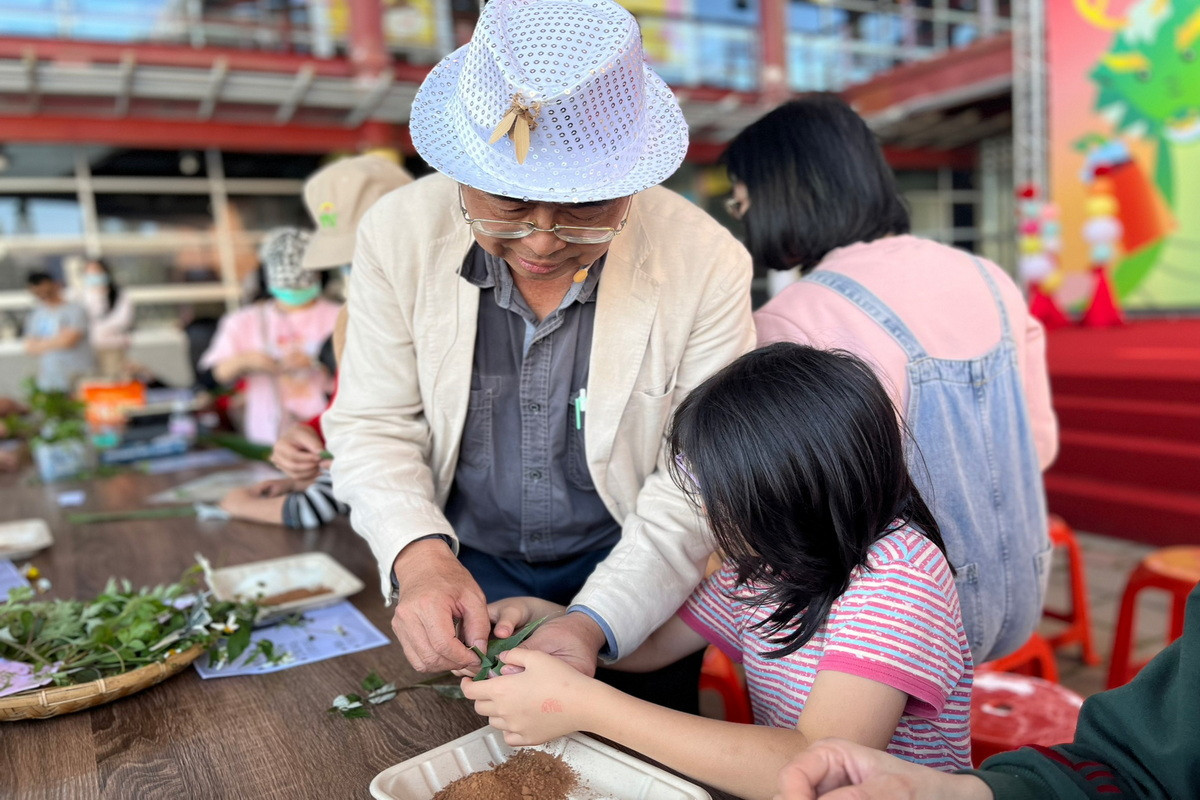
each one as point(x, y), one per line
point(151, 214)
point(56, 215)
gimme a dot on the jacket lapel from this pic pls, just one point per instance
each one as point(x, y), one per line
point(626, 305)
point(447, 344)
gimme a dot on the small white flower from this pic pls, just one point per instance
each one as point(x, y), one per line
point(343, 703)
point(42, 585)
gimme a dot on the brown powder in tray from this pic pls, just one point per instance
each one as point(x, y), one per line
point(292, 595)
point(527, 775)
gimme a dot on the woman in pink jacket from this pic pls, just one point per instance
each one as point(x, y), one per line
point(947, 332)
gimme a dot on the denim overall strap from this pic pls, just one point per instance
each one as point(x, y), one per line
point(873, 307)
point(1005, 329)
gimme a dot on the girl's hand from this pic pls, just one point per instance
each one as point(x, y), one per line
point(547, 699)
point(510, 615)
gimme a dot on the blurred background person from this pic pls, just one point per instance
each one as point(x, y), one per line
point(336, 196)
point(56, 333)
point(272, 347)
point(110, 318)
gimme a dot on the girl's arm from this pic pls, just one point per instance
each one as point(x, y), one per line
point(549, 699)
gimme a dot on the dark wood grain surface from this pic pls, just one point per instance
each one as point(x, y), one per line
point(262, 736)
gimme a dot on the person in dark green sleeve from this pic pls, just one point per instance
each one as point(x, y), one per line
point(1139, 741)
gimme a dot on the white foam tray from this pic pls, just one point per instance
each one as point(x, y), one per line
point(605, 773)
point(303, 571)
point(23, 537)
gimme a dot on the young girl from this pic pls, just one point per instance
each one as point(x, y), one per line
point(835, 593)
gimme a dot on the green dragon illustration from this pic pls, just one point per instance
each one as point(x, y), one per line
point(1149, 86)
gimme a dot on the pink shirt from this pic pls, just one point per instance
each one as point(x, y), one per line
point(898, 623)
point(275, 401)
point(939, 294)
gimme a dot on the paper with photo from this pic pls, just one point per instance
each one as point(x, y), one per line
point(317, 635)
point(10, 578)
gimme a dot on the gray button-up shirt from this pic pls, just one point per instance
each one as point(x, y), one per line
point(522, 488)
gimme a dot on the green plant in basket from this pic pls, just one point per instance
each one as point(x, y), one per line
point(67, 642)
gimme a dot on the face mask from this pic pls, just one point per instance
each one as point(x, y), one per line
point(95, 280)
point(296, 297)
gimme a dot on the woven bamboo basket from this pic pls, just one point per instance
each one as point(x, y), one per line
point(44, 703)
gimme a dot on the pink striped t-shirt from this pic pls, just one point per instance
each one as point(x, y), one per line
point(898, 623)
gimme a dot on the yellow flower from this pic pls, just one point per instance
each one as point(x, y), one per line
point(32, 573)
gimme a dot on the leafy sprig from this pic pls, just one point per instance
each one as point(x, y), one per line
point(490, 663)
point(124, 628)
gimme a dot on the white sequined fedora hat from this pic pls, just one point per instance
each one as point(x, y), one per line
point(550, 101)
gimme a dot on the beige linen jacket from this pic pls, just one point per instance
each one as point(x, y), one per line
point(673, 306)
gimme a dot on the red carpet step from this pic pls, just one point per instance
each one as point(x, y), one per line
point(1128, 404)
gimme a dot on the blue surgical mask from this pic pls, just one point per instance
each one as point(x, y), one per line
point(95, 279)
point(296, 297)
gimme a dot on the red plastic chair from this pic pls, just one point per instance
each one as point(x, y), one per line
point(1010, 711)
point(718, 674)
point(1079, 616)
point(1033, 658)
point(1175, 570)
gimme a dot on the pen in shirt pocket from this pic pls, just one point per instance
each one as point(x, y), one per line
point(580, 403)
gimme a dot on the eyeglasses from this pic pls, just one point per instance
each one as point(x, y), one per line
point(681, 464)
point(735, 208)
point(507, 229)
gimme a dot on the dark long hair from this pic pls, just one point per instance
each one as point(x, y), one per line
point(114, 291)
point(817, 180)
point(798, 462)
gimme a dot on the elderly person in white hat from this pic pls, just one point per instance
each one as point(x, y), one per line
point(521, 327)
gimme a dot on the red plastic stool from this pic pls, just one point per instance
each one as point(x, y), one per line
point(1033, 658)
point(1175, 570)
point(1010, 711)
point(1079, 617)
point(718, 674)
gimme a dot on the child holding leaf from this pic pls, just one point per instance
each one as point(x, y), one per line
point(835, 593)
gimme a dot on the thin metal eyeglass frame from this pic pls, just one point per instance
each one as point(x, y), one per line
point(734, 207)
point(530, 228)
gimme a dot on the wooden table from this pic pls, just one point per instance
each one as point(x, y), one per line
point(243, 737)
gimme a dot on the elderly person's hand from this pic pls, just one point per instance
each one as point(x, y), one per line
point(834, 769)
point(440, 606)
point(574, 638)
point(298, 453)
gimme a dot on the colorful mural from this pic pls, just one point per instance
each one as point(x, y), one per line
point(1125, 108)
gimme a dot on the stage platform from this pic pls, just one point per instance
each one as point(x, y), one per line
point(1128, 404)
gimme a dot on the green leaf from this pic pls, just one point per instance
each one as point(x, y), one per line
point(490, 664)
point(498, 646)
point(450, 692)
point(372, 682)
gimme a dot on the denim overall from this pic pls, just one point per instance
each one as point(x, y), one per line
point(972, 455)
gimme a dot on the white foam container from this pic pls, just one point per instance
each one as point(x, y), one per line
point(605, 773)
point(23, 537)
point(277, 575)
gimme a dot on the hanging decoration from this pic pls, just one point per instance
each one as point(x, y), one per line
point(1040, 243)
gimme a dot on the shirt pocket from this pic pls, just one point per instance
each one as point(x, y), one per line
point(476, 448)
point(577, 468)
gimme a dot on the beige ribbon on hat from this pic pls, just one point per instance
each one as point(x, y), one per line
point(519, 121)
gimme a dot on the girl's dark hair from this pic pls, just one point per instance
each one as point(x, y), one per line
point(114, 291)
point(817, 180)
point(798, 462)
